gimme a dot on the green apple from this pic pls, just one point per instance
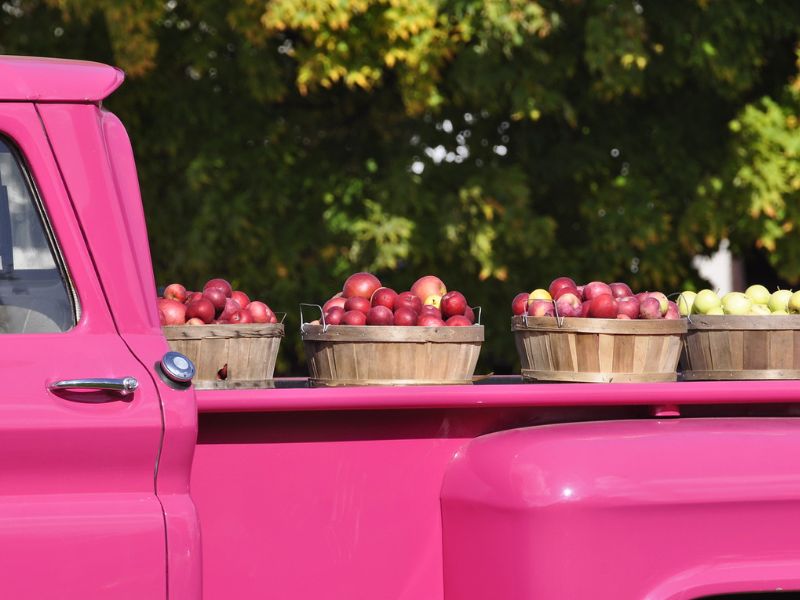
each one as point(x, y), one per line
point(717, 310)
point(736, 303)
point(759, 309)
point(779, 300)
point(780, 312)
point(758, 294)
point(794, 303)
point(706, 300)
point(686, 302)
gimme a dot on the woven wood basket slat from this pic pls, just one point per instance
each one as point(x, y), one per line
point(344, 355)
point(249, 351)
point(598, 350)
point(733, 347)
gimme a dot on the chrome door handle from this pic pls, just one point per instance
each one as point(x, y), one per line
point(124, 386)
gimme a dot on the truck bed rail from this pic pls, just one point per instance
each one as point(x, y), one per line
point(293, 394)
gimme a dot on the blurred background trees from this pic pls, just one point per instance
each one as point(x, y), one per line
point(284, 144)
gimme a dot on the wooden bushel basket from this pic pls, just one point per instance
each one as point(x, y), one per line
point(229, 356)
point(741, 347)
point(598, 350)
point(345, 355)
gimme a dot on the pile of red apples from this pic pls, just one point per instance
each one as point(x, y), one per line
point(217, 304)
point(365, 301)
point(597, 300)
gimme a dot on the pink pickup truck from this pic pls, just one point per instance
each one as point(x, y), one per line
point(117, 482)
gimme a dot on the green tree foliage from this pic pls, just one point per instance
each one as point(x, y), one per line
point(287, 143)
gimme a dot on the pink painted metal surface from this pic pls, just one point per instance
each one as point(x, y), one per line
point(24, 78)
point(382, 398)
point(115, 235)
point(336, 505)
point(645, 509)
point(103, 183)
point(77, 498)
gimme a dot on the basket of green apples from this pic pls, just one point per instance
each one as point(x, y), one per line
point(753, 334)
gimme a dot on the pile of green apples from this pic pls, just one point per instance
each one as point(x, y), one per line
point(755, 300)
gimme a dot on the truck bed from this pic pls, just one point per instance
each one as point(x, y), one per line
point(335, 493)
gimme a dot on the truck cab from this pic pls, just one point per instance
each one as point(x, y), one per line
point(117, 483)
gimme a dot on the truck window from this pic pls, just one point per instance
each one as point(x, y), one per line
point(34, 294)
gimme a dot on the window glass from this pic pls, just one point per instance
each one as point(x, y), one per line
point(34, 295)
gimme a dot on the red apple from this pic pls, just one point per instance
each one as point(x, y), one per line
point(566, 290)
point(628, 305)
point(408, 300)
point(380, 315)
point(672, 311)
point(241, 298)
point(334, 315)
point(597, 288)
point(217, 298)
point(426, 286)
point(585, 308)
point(174, 311)
point(519, 305)
point(452, 304)
point(620, 290)
point(650, 308)
point(603, 306)
point(361, 285)
point(662, 301)
point(175, 291)
point(354, 317)
point(201, 309)
point(195, 321)
point(458, 321)
point(219, 284)
point(429, 321)
point(569, 298)
point(357, 303)
point(558, 283)
point(260, 312)
point(231, 308)
point(337, 300)
point(162, 320)
point(405, 316)
point(384, 297)
point(192, 296)
point(567, 309)
point(541, 308)
point(641, 296)
point(580, 292)
point(470, 314)
point(429, 309)
point(623, 316)
point(242, 317)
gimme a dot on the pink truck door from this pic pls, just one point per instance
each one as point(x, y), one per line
point(79, 517)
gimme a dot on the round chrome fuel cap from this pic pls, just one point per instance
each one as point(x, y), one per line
point(177, 367)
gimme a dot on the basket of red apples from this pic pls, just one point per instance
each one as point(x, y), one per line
point(596, 332)
point(369, 334)
point(232, 340)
